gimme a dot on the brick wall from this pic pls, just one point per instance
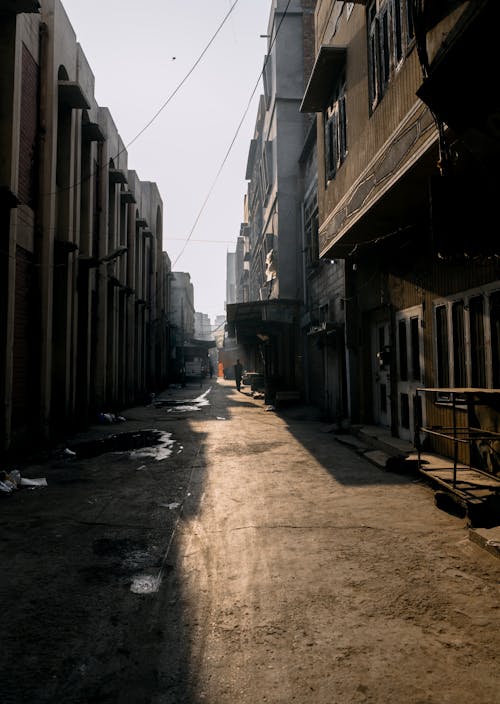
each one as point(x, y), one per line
point(28, 128)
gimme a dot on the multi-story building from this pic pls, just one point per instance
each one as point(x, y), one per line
point(182, 315)
point(230, 277)
point(405, 195)
point(202, 327)
point(267, 325)
point(83, 309)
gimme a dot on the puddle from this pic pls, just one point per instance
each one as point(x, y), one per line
point(141, 444)
point(171, 506)
point(145, 584)
point(186, 405)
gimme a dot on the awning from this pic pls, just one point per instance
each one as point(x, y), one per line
point(72, 95)
point(203, 344)
point(329, 64)
point(92, 132)
point(117, 176)
point(127, 197)
point(249, 320)
point(17, 7)
point(468, 50)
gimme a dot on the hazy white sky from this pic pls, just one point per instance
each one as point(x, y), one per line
point(130, 47)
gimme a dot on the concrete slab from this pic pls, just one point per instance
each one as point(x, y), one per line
point(378, 457)
point(382, 439)
point(487, 538)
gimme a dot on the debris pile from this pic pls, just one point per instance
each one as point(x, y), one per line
point(12, 481)
point(108, 418)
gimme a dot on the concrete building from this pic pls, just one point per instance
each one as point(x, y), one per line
point(84, 301)
point(271, 238)
point(230, 277)
point(182, 316)
point(202, 327)
point(406, 188)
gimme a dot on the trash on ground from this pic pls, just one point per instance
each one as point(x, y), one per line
point(11, 481)
point(270, 408)
point(220, 418)
point(145, 584)
point(33, 483)
point(108, 418)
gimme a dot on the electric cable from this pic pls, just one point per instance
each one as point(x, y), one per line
point(160, 109)
point(228, 152)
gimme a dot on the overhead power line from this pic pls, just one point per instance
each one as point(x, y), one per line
point(226, 156)
point(162, 107)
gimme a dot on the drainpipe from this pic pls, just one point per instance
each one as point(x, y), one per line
point(305, 350)
point(43, 240)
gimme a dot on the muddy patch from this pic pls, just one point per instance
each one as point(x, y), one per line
point(141, 444)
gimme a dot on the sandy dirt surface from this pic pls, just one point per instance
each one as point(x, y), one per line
point(253, 558)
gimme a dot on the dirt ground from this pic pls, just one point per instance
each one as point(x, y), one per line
point(246, 557)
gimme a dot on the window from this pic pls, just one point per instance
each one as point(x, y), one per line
point(335, 132)
point(403, 351)
point(478, 361)
point(460, 372)
point(390, 34)
point(443, 354)
point(415, 348)
point(267, 78)
point(311, 225)
point(266, 171)
point(464, 329)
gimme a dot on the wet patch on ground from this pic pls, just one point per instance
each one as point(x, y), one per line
point(128, 562)
point(252, 448)
point(184, 405)
point(141, 444)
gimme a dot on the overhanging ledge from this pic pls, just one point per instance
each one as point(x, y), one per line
point(329, 64)
point(253, 317)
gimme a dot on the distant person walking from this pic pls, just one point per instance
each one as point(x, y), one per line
point(238, 371)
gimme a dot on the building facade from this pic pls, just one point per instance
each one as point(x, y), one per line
point(84, 304)
point(269, 258)
point(405, 193)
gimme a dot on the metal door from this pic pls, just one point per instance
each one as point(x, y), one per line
point(410, 368)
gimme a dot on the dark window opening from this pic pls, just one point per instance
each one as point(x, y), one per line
point(415, 349)
point(404, 404)
point(478, 357)
point(403, 351)
point(460, 376)
point(443, 365)
point(335, 132)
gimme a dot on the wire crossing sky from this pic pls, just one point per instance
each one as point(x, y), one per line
point(202, 60)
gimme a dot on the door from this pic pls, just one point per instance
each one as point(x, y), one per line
point(410, 368)
point(381, 373)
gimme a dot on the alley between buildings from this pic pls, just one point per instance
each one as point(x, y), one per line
point(242, 556)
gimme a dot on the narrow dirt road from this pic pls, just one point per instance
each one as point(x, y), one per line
point(311, 576)
point(249, 558)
